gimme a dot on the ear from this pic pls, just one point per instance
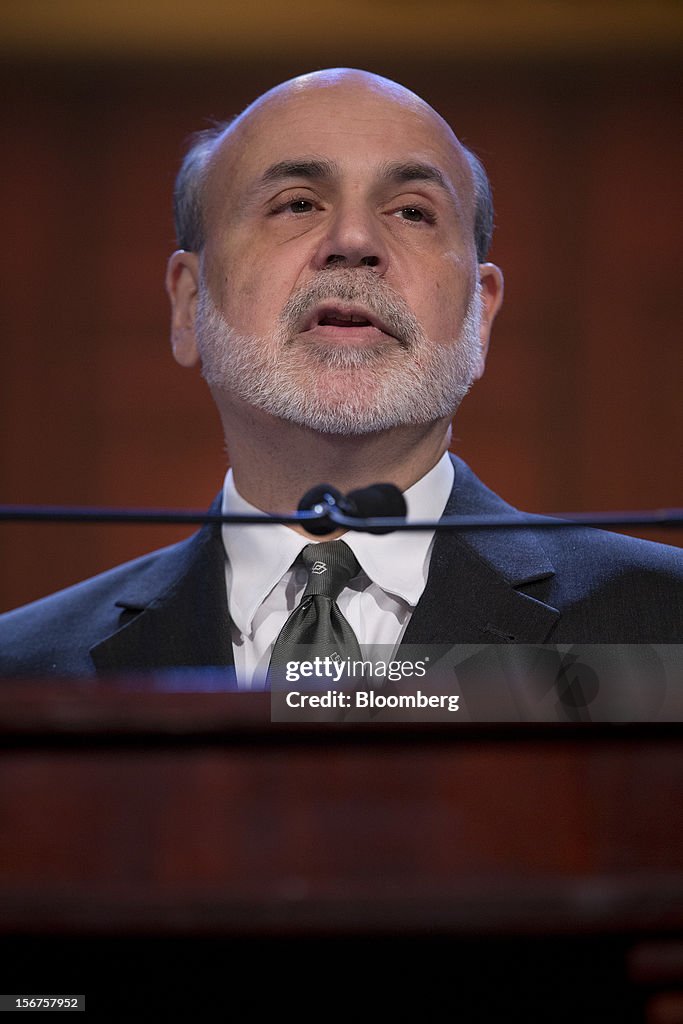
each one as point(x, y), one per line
point(491, 291)
point(182, 285)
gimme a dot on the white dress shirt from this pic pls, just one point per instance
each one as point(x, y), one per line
point(265, 581)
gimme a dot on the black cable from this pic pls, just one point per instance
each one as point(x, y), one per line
point(77, 514)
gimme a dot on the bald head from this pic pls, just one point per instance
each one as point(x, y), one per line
point(342, 85)
point(327, 92)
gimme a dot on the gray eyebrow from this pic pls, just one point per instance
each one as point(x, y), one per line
point(306, 168)
point(318, 169)
point(415, 170)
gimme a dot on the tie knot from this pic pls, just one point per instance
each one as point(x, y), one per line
point(330, 566)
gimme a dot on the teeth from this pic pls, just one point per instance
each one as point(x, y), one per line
point(344, 318)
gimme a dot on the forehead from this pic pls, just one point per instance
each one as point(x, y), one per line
point(359, 127)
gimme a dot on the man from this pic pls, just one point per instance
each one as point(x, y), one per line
point(332, 283)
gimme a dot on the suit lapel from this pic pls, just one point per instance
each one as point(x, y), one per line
point(176, 615)
point(474, 591)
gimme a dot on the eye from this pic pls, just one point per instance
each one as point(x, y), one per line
point(299, 206)
point(415, 215)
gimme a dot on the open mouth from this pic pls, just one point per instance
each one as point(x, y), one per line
point(333, 320)
point(340, 320)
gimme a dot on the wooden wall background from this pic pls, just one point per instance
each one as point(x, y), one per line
point(581, 404)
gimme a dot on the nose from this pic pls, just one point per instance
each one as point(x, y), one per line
point(353, 239)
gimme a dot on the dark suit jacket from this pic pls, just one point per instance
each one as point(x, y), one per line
point(169, 608)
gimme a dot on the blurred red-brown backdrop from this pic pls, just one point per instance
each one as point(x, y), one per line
point(581, 404)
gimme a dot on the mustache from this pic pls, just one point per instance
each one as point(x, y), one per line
point(358, 285)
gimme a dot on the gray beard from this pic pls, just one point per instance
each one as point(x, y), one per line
point(341, 389)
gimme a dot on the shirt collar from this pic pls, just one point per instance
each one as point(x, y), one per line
point(399, 562)
point(258, 557)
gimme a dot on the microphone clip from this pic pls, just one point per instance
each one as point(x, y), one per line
point(333, 507)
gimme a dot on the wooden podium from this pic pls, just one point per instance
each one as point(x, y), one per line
point(149, 836)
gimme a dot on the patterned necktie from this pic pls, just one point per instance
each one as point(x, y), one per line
point(317, 622)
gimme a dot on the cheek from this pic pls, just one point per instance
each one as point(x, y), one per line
point(443, 305)
point(452, 290)
point(244, 299)
point(235, 287)
point(253, 290)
